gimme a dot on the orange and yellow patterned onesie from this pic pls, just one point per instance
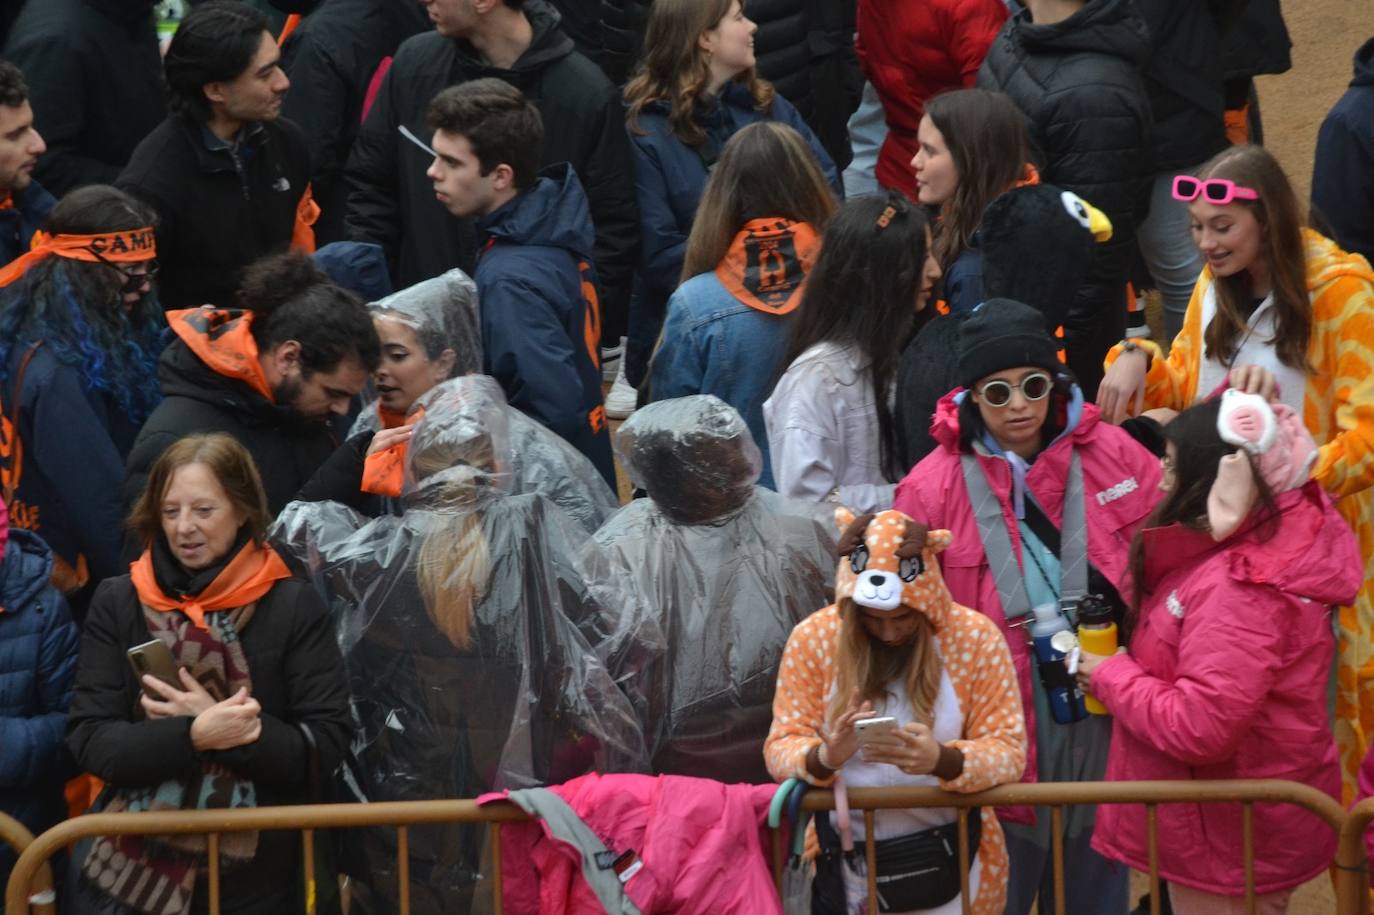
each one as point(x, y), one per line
point(1338, 409)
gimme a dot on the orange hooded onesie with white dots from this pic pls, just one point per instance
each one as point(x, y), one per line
point(974, 655)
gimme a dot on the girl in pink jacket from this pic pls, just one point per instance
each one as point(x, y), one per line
point(1230, 650)
point(1025, 474)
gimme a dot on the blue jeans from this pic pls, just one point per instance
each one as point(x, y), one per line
point(1166, 243)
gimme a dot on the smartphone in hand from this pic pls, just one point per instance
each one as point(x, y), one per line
point(868, 728)
point(154, 658)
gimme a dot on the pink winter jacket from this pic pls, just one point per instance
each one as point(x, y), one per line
point(1226, 678)
point(701, 843)
point(1120, 486)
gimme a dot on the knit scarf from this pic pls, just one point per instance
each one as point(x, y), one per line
point(199, 621)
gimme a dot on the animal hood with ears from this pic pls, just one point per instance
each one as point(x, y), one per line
point(888, 560)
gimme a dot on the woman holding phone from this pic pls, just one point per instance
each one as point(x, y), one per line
point(1282, 311)
point(895, 645)
point(261, 699)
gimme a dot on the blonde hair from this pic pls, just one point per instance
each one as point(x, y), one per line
point(766, 170)
point(453, 565)
point(676, 70)
point(855, 666)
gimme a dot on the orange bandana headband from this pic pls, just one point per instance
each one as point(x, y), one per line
point(109, 247)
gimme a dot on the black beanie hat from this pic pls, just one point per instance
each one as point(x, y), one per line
point(1003, 334)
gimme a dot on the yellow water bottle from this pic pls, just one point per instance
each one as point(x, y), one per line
point(1096, 634)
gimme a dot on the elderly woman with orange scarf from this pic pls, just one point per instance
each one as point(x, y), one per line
point(251, 702)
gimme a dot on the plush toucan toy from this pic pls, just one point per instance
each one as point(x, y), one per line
point(1036, 243)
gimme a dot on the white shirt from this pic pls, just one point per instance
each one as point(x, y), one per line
point(822, 421)
point(1255, 349)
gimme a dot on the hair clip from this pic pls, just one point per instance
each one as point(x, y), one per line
point(886, 217)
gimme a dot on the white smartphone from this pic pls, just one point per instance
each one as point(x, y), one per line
point(868, 728)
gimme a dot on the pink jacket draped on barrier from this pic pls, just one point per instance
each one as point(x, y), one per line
point(1227, 678)
point(703, 845)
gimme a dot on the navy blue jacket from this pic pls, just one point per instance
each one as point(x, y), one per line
point(670, 177)
point(17, 224)
point(540, 326)
point(69, 482)
point(1343, 176)
point(38, 649)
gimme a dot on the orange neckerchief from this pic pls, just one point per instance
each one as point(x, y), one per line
point(246, 578)
point(223, 339)
point(1031, 176)
point(113, 247)
point(384, 472)
point(767, 264)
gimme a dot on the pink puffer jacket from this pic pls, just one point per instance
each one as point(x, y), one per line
point(1226, 678)
point(1120, 486)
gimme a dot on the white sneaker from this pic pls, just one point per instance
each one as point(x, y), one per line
point(622, 399)
point(610, 360)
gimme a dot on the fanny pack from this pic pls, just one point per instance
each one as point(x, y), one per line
point(915, 871)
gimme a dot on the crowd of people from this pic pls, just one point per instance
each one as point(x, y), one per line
point(313, 330)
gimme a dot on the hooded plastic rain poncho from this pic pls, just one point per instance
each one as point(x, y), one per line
point(443, 313)
point(714, 573)
point(460, 622)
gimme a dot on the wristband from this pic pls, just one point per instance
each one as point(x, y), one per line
point(820, 758)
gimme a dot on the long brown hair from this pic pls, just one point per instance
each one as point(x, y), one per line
point(1280, 217)
point(986, 136)
point(676, 70)
point(766, 170)
point(869, 665)
point(231, 464)
point(1198, 450)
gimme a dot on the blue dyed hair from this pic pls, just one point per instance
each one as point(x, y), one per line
point(76, 309)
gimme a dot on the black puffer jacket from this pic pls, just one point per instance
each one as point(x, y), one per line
point(1184, 79)
point(95, 81)
point(804, 47)
point(391, 202)
point(331, 59)
point(287, 448)
point(1079, 84)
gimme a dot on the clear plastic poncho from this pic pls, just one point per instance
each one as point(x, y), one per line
point(462, 624)
point(443, 313)
point(714, 572)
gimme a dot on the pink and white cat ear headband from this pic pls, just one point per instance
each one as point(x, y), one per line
point(1283, 450)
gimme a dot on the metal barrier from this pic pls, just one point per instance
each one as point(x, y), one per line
point(1351, 875)
point(17, 836)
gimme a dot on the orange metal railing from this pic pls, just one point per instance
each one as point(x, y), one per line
point(30, 874)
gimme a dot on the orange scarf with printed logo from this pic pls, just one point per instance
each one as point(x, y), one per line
point(384, 471)
point(767, 264)
point(222, 338)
